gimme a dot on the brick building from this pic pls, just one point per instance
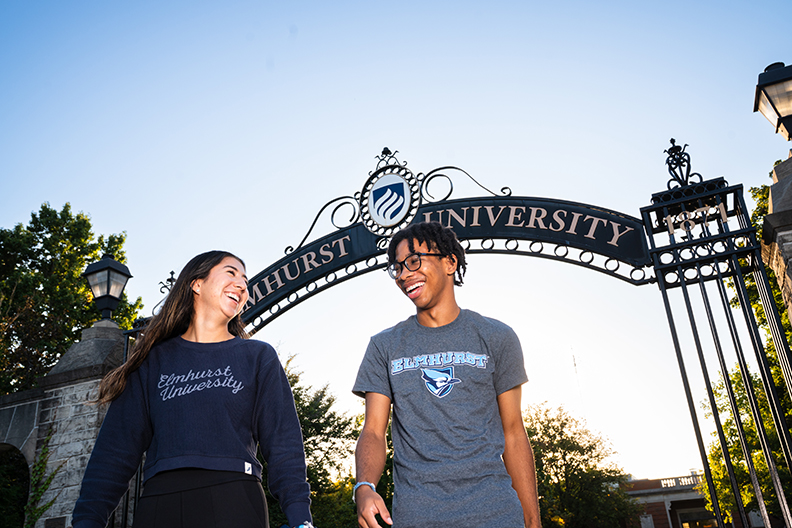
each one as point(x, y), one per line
point(676, 503)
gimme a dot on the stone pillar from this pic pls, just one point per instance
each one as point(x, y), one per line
point(777, 230)
point(66, 412)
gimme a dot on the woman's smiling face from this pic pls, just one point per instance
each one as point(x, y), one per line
point(224, 289)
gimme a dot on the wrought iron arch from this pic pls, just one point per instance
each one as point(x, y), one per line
point(592, 237)
point(354, 251)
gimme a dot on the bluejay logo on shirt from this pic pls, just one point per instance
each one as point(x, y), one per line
point(440, 381)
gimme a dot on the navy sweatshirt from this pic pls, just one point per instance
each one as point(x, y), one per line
point(199, 405)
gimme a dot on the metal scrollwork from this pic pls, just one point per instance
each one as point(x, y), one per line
point(384, 205)
point(611, 266)
point(167, 284)
point(165, 288)
point(387, 158)
point(678, 163)
point(638, 274)
point(339, 203)
point(427, 179)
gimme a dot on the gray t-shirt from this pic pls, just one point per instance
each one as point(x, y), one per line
point(447, 434)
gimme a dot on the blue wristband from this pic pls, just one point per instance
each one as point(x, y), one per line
point(369, 484)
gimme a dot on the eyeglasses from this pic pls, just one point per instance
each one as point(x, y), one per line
point(412, 263)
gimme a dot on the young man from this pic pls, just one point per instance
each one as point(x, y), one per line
point(461, 455)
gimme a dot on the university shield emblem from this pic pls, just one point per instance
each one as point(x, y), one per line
point(388, 202)
point(390, 197)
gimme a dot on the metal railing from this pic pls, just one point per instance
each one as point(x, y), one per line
point(676, 482)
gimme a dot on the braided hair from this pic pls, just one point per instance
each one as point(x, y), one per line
point(438, 238)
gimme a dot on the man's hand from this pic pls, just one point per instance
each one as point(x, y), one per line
point(369, 504)
point(370, 460)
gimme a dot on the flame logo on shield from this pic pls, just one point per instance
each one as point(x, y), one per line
point(388, 201)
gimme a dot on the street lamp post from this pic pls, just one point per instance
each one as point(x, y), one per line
point(107, 279)
point(774, 97)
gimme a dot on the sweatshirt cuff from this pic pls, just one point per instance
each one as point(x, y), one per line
point(297, 513)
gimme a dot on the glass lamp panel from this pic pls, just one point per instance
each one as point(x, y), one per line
point(781, 95)
point(98, 283)
point(767, 109)
point(117, 283)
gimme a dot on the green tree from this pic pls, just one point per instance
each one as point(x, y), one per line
point(44, 301)
point(333, 507)
point(720, 475)
point(328, 437)
point(578, 486)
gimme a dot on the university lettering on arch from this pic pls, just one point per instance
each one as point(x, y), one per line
point(300, 267)
point(598, 230)
point(602, 231)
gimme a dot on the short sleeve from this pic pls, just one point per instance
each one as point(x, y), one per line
point(373, 373)
point(509, 362)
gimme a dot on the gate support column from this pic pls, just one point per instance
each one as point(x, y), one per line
point(777, 230)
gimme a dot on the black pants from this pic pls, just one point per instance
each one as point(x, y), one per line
point(200, 498)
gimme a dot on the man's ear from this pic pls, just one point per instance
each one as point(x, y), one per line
point(451, 264)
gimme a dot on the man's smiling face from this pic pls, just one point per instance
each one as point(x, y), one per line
point(432, 283)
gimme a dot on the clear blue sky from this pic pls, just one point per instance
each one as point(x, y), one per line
point(201, 125)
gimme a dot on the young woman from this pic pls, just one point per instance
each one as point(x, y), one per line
point(198, 398)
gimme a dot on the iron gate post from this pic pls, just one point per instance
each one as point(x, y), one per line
point(691, 242)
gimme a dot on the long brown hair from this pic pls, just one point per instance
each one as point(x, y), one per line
point(173, 320)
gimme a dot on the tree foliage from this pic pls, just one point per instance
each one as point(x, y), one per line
point(578, 486)
point(44, 301)
point(328, 437)
point(720, 475)
point(717, 464)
